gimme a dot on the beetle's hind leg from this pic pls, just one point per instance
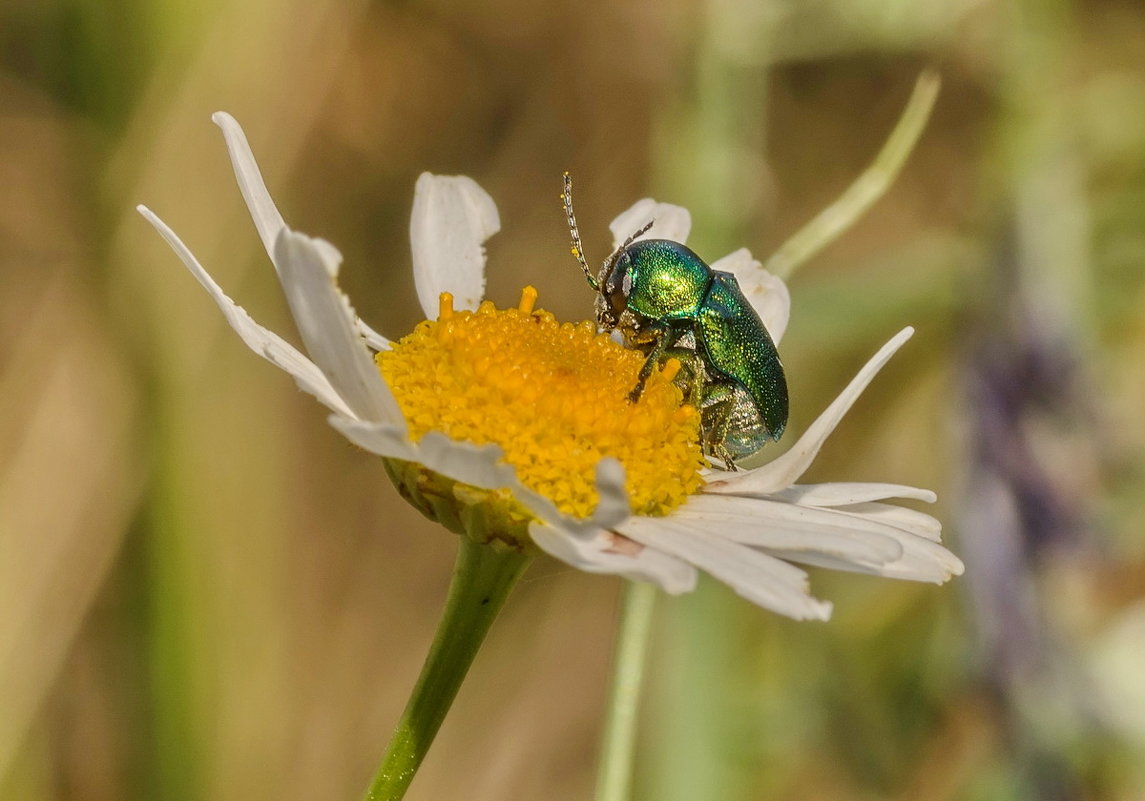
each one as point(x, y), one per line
point(715, 421)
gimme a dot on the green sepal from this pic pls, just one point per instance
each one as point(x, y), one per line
point(487, 517)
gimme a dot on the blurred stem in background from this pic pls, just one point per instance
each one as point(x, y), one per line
point(828, 224)
point(618, 745)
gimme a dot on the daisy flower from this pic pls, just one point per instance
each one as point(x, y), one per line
point(515, 430)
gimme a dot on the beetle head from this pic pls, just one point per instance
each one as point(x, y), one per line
point(615, 282)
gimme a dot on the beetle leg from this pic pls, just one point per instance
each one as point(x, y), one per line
point(716, 418)
point(650, 362)
point(662, 339)
point(692, 374)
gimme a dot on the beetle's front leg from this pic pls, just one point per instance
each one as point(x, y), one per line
point(662, 338)
point(692, 374)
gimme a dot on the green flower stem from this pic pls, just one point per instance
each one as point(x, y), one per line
point(614, 776)
point(482, 579)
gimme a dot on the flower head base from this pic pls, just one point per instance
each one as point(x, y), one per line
point(553, 397)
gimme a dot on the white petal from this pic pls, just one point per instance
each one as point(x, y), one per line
point(327, 325)
point(593, 555)
point(380, 438)
point(669, 222)
point(452, 217)
point(262, 209)
point(922, 560)
point(476, 465)
point(789, 528)
point(762, 579)
point(910, 520)
point(265, 343)
point(809, 518)
point(785, 470)
point(372, 337)
point(841, 493)
point(265, 214)
point(820, 536)
point(613, 506)
point(767, 293)
point(482, 466)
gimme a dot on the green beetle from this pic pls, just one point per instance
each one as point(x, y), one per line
point(665, 301)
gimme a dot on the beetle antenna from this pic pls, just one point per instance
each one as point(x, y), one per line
point(576, 248)
point(608, 265)
point(633, 237)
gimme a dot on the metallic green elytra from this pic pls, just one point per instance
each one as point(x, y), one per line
point(666, 302)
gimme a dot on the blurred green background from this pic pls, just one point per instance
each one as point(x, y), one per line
point(206, 593)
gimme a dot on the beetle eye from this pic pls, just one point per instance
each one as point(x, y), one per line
point(618, 284)
point(618, 280)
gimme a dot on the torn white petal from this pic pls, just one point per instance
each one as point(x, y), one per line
point(785, 470)
point(811, 519)
point(594, 555)
point(265, 343)
point(845, 538)
point(751, 523)
point(767, 293)
point(910, 520)
point(762, 579)
point(922, 560)
point(845, 493)
point(265, 214)
point(669, 222)
point(328, 327)
point(452, 217)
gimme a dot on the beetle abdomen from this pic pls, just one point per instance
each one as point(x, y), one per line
point(745, 431)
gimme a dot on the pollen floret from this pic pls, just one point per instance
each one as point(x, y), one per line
point(554, 397)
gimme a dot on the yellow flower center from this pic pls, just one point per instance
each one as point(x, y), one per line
point(554, 397)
